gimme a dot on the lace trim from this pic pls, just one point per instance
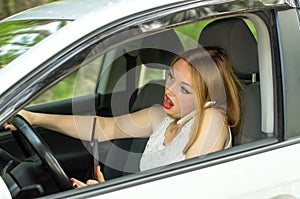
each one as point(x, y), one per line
point(156, 154)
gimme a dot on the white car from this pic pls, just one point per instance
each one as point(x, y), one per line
point(109, 58)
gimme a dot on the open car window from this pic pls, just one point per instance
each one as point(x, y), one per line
point(131, 76)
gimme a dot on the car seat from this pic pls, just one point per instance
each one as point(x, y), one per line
point(234, 36)
point(157, 51)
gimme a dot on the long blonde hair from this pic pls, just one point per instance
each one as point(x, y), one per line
point(213, 79)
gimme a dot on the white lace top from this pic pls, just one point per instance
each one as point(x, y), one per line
point(156, 154)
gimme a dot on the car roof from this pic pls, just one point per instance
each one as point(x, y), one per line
point(63, 9)
point(75, 9)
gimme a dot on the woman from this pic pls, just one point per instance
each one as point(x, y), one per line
point(201, 107)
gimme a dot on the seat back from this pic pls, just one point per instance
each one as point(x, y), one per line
point(234, 36)
point(157, 51)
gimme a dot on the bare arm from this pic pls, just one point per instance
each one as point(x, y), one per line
point(138, 124)
point(213, 135)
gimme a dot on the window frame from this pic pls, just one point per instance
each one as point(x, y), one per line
point(202, 162)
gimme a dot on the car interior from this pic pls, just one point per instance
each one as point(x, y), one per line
point(240, 43)
point(121, 157)
point(235, 36)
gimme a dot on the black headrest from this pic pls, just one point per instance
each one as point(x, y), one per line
point(234, 36)
point(159, 50)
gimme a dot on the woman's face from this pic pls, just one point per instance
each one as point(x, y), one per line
point(179, 94)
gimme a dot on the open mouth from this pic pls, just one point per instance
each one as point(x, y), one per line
point(168, 103)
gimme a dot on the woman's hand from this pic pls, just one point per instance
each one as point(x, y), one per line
point(99, 177)
point(10, 127)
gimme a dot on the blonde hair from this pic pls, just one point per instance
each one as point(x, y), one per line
point(213, 79)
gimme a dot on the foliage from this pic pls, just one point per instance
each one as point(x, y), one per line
point(17, 37)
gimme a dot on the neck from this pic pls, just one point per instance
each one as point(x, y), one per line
point(186, 118)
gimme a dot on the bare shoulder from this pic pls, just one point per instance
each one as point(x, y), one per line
point(153, 115)
point(156, 110)
point(213, 116)
point(156, 113)
point(215, 123)
point(213, 113)
point(213, 134)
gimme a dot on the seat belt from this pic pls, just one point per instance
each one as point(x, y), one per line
point(131, 62)
point(94, 146)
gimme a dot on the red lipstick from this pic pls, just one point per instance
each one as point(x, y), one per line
point(168, 104)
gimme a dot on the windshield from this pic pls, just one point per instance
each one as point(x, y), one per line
point(16, 37)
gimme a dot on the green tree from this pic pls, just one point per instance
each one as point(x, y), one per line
point(10, 7)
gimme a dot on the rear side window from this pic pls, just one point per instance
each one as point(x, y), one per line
point(80, 83)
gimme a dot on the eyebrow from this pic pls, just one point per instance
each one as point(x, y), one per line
point(187, 84)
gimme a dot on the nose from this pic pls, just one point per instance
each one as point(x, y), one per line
point(171, 88)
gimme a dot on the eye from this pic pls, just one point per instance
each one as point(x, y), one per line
point(171, 77)
point(185, 91)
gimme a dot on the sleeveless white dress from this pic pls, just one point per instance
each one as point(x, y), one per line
point(156, 154)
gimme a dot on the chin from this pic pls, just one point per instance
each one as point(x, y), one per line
point(173, 114)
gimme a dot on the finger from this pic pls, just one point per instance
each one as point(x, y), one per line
point(4, 124)
point(77, 183)
point(91, 182)
point(10, 127)
point(99, 175)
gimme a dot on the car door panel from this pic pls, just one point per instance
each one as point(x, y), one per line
point(265, 175)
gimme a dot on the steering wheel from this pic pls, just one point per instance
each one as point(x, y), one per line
point(43, 151)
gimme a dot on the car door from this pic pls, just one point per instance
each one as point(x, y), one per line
point(261, 163)
point(262, 167)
